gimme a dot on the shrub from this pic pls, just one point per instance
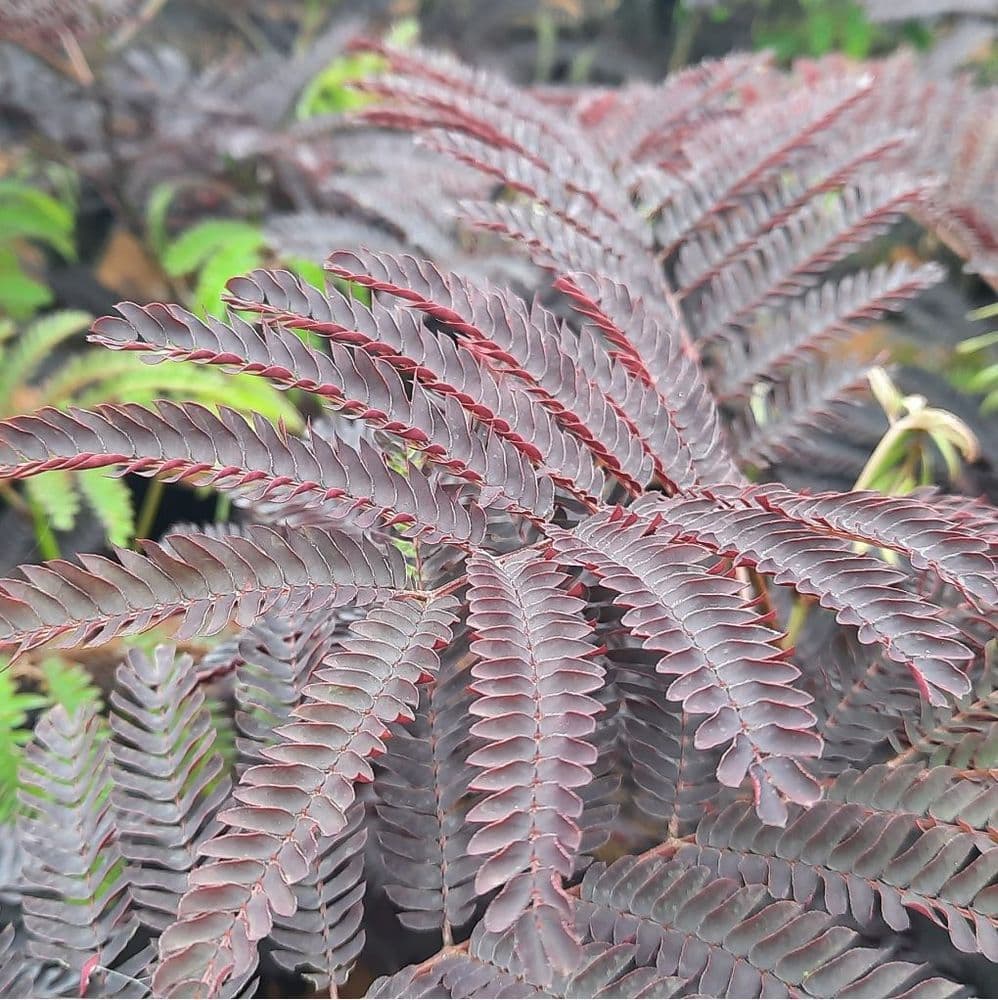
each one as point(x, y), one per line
point(538, 604)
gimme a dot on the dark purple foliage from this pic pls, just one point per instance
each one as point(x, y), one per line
point(524, 587)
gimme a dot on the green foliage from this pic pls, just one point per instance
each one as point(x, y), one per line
point(225, 732)
point(28, 214)
point(69, 684)
point(917, 436)
point(21, 356)
point(816, 28)
point(15, 731)
point(92, 377)
point(54, 496)
point(62, 683)
point(213, 251)
point(978, 372)
point(795, 28)
point(312, 272)
point(111, 500)
point(157, 210)
point(330, 92)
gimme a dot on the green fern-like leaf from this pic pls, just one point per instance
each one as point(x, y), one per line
point(331, 91)
point(20, 295)
point(225, 732)
point(21, 359)
point(14, 733)
point(54, 496)
point(94, 377)
point(27, 212)
point(69, 685)
point(977, 370)
point(235, 258)
point(157, 210)
point(192, 248)
point(174, 380)
point(81, 373)
point(111, 500)
point(215, 250)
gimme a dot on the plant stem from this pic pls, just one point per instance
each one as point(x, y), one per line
point(762, 591)
point(150, 507)
point(48, 545)
point(146, 13)
point(547, 45)
point(686, 31)
point(798, 617)
point(77, 60)
point(14, 499)
point(876, 459)
point(223, 508)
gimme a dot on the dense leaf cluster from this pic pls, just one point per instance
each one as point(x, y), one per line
point(521, 604)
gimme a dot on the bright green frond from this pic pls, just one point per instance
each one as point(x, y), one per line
point(86, 370)
point(54, 494)
point(14, 733)
point(69, 685)
point(33, 345)
point(215, 250)
point(307, 269)
point(26, 212)
point(236, 258)
point(145, 383)
point(192, 248)
point(20, 295)
point(111, 500)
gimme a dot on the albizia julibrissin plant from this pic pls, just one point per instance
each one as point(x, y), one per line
point(536, 604)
